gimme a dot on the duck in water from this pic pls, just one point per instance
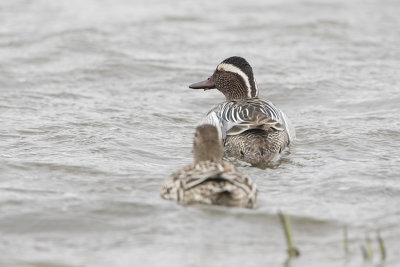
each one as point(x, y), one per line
point(210, 180)
point(251, 129)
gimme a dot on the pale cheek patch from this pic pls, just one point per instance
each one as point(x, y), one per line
point(234, 69)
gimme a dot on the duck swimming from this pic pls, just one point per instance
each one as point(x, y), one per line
point(210, 180)
point(251, 129)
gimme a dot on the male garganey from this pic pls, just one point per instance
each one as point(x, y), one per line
point(251, 129)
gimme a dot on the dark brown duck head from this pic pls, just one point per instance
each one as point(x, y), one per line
point(206, 144)
point(233, 77)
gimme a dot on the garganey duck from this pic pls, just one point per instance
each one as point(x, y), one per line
point(252, 129)
point(210, 180)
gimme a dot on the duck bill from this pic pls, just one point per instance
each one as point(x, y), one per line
point(207, 84)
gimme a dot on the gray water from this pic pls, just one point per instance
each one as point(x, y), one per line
point(95, 112)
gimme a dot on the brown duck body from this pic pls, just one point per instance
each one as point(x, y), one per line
point(210, 180)
point(257, 146)
point(212, 183)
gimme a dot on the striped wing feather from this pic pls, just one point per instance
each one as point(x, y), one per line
point(240, 116)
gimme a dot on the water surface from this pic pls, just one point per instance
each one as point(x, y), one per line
point(95, 112)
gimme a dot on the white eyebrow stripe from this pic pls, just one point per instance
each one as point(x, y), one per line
point(234, 69)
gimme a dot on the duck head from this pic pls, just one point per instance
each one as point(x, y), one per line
point(206, 144)
point(233, 77)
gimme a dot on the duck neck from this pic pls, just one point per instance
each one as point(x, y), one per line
point(208, 151)
point(236, 92)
